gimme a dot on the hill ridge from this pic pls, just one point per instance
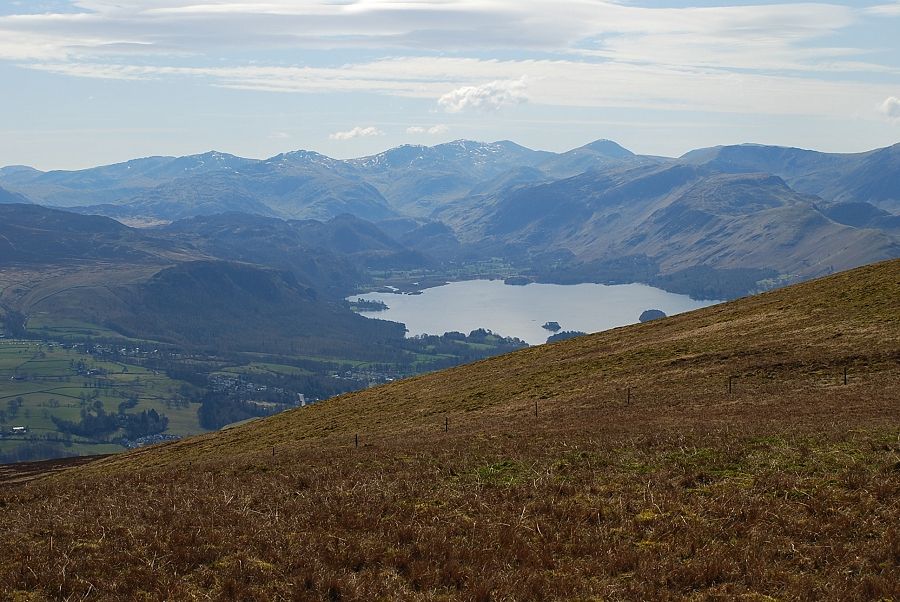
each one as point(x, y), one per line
point(865, 302)
point(744, 451)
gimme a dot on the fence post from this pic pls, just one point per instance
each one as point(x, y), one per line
point(446, 424)
point(356, 440)
point(535, 408)
point(730, 380)
point(845, 375)
point(628, 396)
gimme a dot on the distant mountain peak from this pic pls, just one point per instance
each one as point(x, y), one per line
point(18, 169)
point(470, 145)
point(302, 154)
point(478, 146)
point(304, 157)
point(214, 154)
point(414, 155)
point(210, 160)
point(594, 155)
point(608, 148)
point(465, 142)
point(405, 154)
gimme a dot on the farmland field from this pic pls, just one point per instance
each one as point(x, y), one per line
point(61, 328)
point(40, 382)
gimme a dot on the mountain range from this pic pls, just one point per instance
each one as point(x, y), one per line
point(869, 177)
point(751, 214)
point(677, 216)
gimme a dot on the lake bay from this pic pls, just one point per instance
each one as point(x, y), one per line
point(520, 311)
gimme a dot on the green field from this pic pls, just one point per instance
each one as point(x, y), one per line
point(49, 327)
point(264, 369)
point(77, 372)
point(315, 358)
point(46, 379)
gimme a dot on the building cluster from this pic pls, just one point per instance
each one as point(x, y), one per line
point(148, 440)
point(244, 388)
point(14, 431)
point(367, 377)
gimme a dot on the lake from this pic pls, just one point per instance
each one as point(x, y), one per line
point(519, 311)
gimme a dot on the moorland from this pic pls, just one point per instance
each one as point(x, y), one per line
point(749, 450)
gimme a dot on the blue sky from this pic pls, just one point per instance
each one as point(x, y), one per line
point(87, 82)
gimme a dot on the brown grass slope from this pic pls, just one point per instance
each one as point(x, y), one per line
point(786, 488)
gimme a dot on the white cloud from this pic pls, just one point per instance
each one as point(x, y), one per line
point(491, 96)
point(885, 9)
point(434, 130)
point(608, 53)
point(762, 36)
point(279, 136)
point(890, 108)
point(561, 83)
point(357, 132)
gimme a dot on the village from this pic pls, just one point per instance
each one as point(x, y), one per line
point(240, 386)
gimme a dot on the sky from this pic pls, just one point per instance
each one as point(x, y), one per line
point(91, 82)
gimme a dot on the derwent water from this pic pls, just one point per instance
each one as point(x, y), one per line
point(520, 311)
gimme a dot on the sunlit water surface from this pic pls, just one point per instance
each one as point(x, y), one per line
point(519, 311)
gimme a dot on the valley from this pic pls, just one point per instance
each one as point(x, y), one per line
point(45, 385)
point(244, 267)
point(449, 301)
point(246, 327)
point(745, 450)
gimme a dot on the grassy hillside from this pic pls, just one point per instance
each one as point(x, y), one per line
point(613, 466)
point(224, 306)
point(32, 235)
point(181, 286)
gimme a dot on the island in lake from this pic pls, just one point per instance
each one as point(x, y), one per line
point(361, 304)
point(552, 326)
point(652, 314)
point(517, 281)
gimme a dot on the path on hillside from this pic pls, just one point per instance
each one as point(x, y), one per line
point(23, 472)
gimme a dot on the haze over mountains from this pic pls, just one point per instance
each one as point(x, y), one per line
point(595, 213)
point(11, 197)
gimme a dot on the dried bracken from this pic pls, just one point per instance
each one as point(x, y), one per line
point(786, 488)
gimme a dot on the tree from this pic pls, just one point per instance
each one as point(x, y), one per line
point(14, 405)
point(148, 422)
